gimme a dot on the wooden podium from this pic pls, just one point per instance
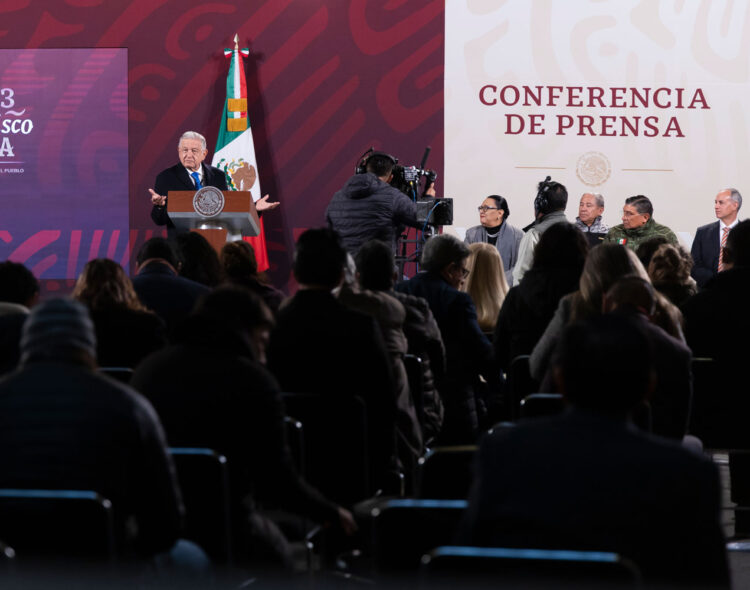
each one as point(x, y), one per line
point(216, 215)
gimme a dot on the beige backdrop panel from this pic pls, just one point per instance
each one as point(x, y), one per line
point(691, 45)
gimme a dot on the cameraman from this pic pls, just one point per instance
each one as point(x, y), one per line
point(368, 208)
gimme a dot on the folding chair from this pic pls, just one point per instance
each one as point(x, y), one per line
point(520, 383)
point(295, 435)
point(58, 524)
point(447, 472)
point(336, 454)
point(404, 529)
point(496, 567)
point(415, 375)
point(204, 481)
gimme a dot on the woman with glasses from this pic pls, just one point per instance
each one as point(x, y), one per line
point(494, 230)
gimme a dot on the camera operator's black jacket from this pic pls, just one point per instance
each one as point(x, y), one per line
point(367, 208)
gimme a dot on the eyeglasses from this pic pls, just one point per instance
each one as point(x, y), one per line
point(464, 271)
point(485, 208)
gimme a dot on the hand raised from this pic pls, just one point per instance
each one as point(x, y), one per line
point(157, 199)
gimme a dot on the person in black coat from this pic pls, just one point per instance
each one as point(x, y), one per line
point(210, 390)
point(716, 325)
point(589, 480)
point(189, 175)
point(126, 331)
point(19, 291)
point(64, 426)
point(159, 287)
point(468, 352)
point(319, 346)
point(368, 208)
point(528, 307)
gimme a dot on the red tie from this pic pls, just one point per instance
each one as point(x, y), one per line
point(725, 233)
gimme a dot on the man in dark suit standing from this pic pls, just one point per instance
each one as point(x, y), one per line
point(710, 238)
point(190, 174)
point(589, 480)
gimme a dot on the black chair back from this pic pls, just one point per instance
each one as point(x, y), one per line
point(336, 454)
point(447, 472)
point(204, 481)
point(415, 376)
point(520, 384)
point(404, 529)
point(58, 524)
point(491, 567)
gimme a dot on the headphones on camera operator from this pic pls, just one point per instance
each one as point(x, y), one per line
point(548, 197)
point(361, 167)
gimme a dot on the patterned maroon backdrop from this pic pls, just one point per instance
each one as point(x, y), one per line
point(326, 80)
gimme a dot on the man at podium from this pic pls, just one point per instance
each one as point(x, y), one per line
point(190, 174)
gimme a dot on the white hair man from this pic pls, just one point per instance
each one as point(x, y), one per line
point(710, 239)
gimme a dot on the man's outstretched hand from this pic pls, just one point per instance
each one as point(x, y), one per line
point(157, 199)
point(264, 204)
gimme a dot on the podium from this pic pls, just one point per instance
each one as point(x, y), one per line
point(215, 214)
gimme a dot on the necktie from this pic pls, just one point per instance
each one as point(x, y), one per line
point(197, 179)
point(725, 233)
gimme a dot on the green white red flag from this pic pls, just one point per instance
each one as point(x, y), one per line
point(235, 150)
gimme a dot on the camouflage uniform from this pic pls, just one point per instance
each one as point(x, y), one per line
point(632, 238)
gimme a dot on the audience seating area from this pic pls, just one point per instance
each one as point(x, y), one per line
point(329, 516)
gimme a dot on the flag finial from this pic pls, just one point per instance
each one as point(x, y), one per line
point(236, 41)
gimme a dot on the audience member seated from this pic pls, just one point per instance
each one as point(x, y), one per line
point(389, 314)
point(528, 307)
point(468, 352)
point(160, 288)
point(126, 331)
point(320, 346)
point(605, 265)
point(495, 230)
point(716, 323)
point(669, 271)
point(646, 249)
point(64, 426)
point(200, 262)
point(589, 480)
point(240, 267)
point(19, 291)
point(486, 284)
point(376, 271)
point(211, 390)
point(638, 225)
point(634, 298)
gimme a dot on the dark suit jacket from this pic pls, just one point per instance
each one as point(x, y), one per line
point(64, 426)
point(209, 393)
point(169, 296)
point(584, 481)
point(468, 353)
point(319, 346)
point(705, 253)
point(177, 178)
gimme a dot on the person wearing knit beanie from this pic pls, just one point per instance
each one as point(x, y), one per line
point(59, 329)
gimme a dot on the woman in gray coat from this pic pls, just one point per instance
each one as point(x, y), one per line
point(494, 229)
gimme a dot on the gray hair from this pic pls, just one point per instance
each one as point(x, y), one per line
point(735, 195)
point(193, 135)
point(443, 250)
point(598, 198)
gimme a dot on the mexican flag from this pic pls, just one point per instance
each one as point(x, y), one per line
point(235, 150)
